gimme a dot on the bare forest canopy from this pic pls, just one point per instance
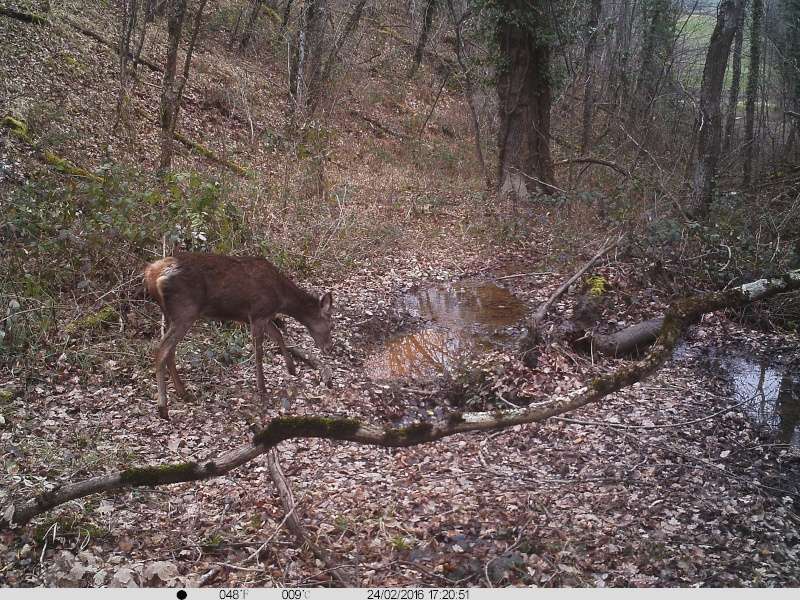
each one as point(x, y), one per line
point(530, 236)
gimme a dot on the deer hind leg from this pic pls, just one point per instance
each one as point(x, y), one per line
point(275, 335)
point(166, 357)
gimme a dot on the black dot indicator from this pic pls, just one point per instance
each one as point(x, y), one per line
point(181, 594)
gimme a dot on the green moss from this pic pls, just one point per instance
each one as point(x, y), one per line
point(67, 527)
point(7, 394)
point(18, 127)
point(282, 428)
point(597, 285)
point(158, 475)
point(62, 165)
point(402, 436)
point(94, 321)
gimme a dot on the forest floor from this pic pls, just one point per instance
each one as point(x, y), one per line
point(667, 483)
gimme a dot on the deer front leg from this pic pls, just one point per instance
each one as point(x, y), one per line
point(165, 357)
point(275, 335)
point(257, 330)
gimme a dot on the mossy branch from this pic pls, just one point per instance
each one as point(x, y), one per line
point(677, 319)
point(23, 16)
point(210, 155)
point(19, 129)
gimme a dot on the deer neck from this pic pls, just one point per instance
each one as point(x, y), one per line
point(301, 305)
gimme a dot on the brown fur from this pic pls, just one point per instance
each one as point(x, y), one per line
point(229, 288)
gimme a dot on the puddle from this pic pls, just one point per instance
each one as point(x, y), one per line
point(770, 394)
point(465, 317)
point(770, 391)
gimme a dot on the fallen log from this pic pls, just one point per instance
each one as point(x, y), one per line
point(679, 316)
point(633, 339)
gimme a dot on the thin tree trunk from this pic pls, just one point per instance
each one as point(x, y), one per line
point(469, 93)
point(341, 40)
point(422, 42)
point(309, 49)
point(173, 85)
point(709, 120)
point(249, 27)
point(589, 73)
point(752, 91)
point(736, 75)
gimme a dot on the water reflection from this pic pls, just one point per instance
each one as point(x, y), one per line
point(771, 394)
point(466, 316)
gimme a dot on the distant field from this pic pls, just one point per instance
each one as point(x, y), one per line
point(691, 49)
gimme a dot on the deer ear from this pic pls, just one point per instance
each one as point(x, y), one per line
point(326, 303)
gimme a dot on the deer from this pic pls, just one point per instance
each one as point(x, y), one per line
point(244, 289)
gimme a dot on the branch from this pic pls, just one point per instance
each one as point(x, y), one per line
point(210, 154)
point(594, 161)
point(545, 306)
point(294, 525)
point(99, 38)
point(680, 314)
point(23, 16)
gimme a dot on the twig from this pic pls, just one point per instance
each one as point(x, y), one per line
point(293, 523)
point(526, 274)
point(545, 306)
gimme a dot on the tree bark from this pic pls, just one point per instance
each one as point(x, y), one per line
point(592, 34)
point(468, 88)
point(422, 42)
point(279, 429)
point(172, 86)
point(656, 50)
point(525, 97)
point(709, 119)
point(752, 91)
point(169, 86)
point(736, 75)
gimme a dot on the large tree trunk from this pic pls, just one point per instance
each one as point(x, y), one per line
point(588, 73)
point(752, 90)
point(709, 120)
point(525, 96)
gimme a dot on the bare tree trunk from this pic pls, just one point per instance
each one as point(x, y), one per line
point(341, 40)
point(287, 12)
point(709, 119)
point(250, 26)
point(656, 48)
point(173, 85)
point(128, 18)
point(589, 73)
point(309, 46)
point(618, 74)
point(525, 97)
point(752, 90)
point(736, 75)
point(468, 92)
point(422, 42)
